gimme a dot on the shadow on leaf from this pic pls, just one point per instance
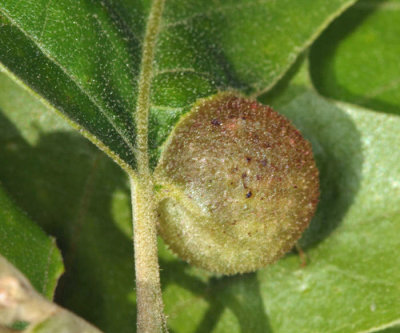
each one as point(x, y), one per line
point(338, 153)
point(240, 294)
point(68, 186)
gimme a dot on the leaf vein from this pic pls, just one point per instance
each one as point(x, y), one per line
point(219, 9)
point(359, 277)
point(182, 70)
point(167, 108)
point(145, 79)
point(374, 5)
point(46, 16)
point(393, 84)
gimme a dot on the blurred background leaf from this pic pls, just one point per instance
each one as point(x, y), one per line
point(356, 58)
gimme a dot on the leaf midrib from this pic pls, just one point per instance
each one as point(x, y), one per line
point(145, 79)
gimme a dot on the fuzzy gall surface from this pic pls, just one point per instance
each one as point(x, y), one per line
point(238, 185)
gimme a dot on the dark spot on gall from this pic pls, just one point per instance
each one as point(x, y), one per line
point(216, 122)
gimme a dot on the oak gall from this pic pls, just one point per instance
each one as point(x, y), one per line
point(239, 185)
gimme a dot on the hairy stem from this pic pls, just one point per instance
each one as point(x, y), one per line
point(149, 299)
point(148, 290)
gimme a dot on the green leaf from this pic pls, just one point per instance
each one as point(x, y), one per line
point(83, 57)
point(25, 245)
point(356, 58)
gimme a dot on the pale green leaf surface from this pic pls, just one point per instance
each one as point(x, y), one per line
point(24, 244)
point(83, 56)
point(358, 215)
point(357, 58)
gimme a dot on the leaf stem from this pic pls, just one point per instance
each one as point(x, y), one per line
point(148, 289)
point(151, 317)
